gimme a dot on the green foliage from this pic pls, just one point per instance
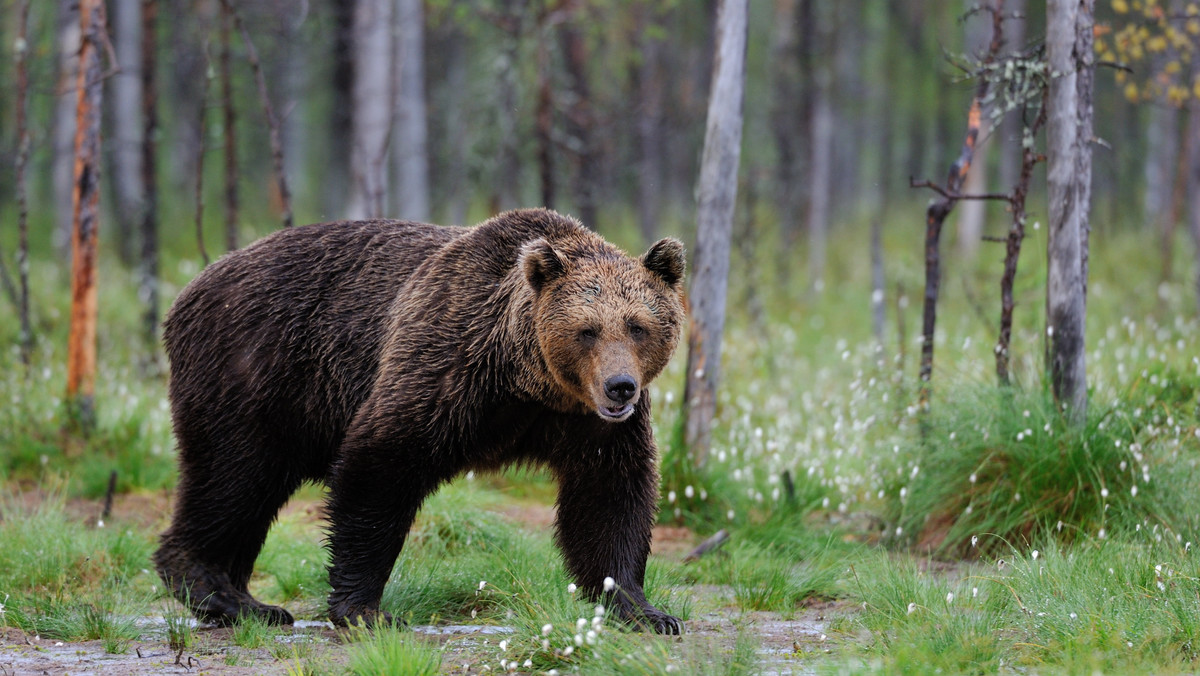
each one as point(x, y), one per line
point(1002, 468)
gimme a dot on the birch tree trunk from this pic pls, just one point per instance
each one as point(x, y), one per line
point(1009, 132)
point(1065, 306)
point(972, 214)
point(81, 341)
point(716, 195)
point(373, 97)
point(411, 186)
point(125, 106)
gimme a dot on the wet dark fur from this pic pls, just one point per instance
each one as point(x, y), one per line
point(384, 358)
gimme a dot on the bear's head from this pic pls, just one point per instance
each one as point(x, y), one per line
point(606, 324)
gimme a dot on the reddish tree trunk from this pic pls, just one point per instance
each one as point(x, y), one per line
point(81, 343)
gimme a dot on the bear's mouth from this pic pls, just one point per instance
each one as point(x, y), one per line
point(615, 413)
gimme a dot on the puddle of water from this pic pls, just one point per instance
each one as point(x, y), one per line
point(461, 629)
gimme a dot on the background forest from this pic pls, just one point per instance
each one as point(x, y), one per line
point(873, 522)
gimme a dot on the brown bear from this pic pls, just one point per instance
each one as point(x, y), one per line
point(384, 358)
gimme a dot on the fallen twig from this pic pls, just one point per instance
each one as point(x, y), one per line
point(707, 546)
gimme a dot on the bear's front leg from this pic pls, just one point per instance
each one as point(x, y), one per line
point(374, 497)
point(607, 504)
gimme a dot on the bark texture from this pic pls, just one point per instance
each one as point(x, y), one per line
point(81, 342)
point(716, 197)
point(125, 105)
point(373, 95)
point(411, 126)
point(1065, 306)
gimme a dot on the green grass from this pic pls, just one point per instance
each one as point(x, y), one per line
point(1002, 469)
point(387, 650)
point(807, 403)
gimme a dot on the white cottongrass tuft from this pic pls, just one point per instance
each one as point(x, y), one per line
point(609, 584)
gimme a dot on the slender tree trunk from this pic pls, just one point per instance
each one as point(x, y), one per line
point(716, 196)
point(1065, 307)
point(274, 134)
point(411, 127)
point(125, 106)
point(1012, 253)
point(454, 179)
point(1162, 156)
point(1009, 132)
point(373, 97)
point(544, 129)
point(580, 124)
point(66, 101)
point(878, 283)
point(508, 164)
point(651, 147)
point(973, 213)
point(1085, 59)
point(338, 174)
point(148, 269)
point(820, 179)
point(22, 162)
point(230, 126)
point(1193, 174)
point(81, 345)
point(198, 177)
point(936, 213)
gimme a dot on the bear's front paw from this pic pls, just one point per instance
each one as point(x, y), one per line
point(650, 618)
point(359, 616)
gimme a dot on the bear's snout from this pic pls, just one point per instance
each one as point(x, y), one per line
point(620, 388)
point(620, 395)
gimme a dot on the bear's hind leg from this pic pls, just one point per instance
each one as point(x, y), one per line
point(220, 523)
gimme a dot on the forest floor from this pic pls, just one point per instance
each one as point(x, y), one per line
point(785, 643)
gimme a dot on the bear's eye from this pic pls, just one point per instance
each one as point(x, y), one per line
point(588, 335)
point(637, 331)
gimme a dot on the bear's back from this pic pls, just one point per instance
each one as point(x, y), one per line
point(287, 332)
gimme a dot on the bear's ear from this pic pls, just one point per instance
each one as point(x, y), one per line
point(540, 263)
point(666, 259)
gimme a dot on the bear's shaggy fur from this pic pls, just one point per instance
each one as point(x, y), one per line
point(385, 358)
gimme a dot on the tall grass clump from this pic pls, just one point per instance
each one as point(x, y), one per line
point(388, 650)
point(1000, 468)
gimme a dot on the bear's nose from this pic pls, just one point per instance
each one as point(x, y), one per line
point(620, 388)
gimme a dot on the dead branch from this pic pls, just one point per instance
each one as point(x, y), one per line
point(718, 539)
point(957, 196)
point(935, 215)
point(108, 495)
point(1016, 234)
point(285, 194)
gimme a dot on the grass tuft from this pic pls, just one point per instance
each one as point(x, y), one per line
point(1002, 469)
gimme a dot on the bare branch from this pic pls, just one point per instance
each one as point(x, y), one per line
point(285, 194)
